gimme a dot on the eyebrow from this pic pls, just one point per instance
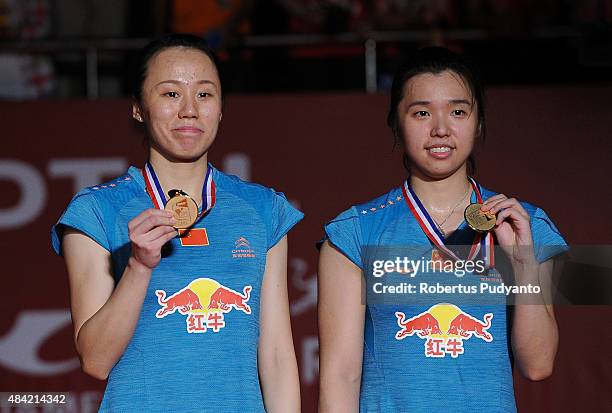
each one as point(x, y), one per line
point(178, 82)
point(427, 102)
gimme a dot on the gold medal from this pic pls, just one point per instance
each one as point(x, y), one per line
point(478, 220)
point(183, 207)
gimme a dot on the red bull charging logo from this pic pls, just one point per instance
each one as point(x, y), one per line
point(204, 301)
point(444, 327)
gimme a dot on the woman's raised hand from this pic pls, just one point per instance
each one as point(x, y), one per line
point(512, 228)
point(149, 231)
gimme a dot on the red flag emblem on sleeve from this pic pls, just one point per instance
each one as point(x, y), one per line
point(194, 237)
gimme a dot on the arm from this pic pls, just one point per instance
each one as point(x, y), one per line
point(278, 370)
point(534, 330)
point(104, 316)
point(341, 318)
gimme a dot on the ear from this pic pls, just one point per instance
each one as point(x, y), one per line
point(220, 116)
point(136, 112)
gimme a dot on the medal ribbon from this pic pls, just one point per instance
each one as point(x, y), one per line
point(430, 229)
point(155, 191)
point(486, 241)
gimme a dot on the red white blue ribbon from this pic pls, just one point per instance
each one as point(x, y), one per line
point(429, 227)
point(155, 191)
point(487, 242)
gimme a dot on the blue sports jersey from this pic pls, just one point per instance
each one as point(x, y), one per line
point(431, 354)
point(194, 348)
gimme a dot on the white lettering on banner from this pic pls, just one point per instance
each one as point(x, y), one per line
point(308, 285)
point(31, 183)
point(310, 359)
point(86, 171)
point(238, 164)
point(20, 347)
point(33, 194)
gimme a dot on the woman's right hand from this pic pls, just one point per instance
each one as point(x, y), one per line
point(149, 231)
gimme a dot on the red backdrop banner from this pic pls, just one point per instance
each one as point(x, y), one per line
point(549, 146)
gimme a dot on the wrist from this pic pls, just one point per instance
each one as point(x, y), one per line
point(139, 267)
point(526, 271)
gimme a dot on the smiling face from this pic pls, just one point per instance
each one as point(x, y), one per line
point(181, 104)
point(438, 123)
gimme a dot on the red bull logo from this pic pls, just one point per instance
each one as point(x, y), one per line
point(444, 328)
point(465, 325)
point(423, 324)
point(204, 301)
point(224, 299)
point(184, 301)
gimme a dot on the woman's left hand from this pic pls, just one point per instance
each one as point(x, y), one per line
point(512, 228)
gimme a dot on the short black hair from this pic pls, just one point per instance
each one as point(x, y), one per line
point(144, 56)
point(436, 60)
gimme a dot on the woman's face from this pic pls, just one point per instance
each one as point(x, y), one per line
point(181, 103)
point(438, 123)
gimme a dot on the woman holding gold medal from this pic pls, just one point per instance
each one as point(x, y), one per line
point(177, 272)
point(438, 352)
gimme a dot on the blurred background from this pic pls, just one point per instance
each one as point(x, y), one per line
point(307, 84)
point(77, 48)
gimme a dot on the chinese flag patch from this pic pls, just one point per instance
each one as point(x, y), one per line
point(194, 237)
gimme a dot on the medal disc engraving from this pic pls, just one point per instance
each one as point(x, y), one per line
point(477, 220)
point(185, 210)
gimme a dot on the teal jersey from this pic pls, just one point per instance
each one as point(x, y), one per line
point(432, 352)
point(194, 348)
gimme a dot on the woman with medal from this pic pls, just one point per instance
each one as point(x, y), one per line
point(434, 352)
point(178, 271)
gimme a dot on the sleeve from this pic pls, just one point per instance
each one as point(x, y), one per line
point(547, 240)
point(85, 215)
point(284, 216)
point(344, 232)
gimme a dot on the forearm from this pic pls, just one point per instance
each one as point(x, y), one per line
point(280, 381)
point(103, 338)
point(338, 392)
point(278, 371)
point(341, 323)
point(534, 330)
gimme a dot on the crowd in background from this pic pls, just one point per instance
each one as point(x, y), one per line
point(227, 23)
